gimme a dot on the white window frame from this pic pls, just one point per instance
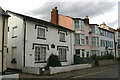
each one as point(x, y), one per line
point(78, 25)
point(62, 54)
point(61, 37)
point(81, 23)
point(77, 39)
point(39, 35)
point(82, 38)
point(39, 54)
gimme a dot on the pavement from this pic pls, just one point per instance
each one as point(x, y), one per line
point(102, 72)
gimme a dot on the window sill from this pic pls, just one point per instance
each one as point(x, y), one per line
point(64, 61)
point(14, 37)
point(62, 41)
point(41, 38)
point(41, 62)
point(79, 29)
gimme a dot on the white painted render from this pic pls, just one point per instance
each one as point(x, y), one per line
point(52, 37)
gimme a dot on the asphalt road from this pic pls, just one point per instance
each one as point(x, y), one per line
point(97, 73)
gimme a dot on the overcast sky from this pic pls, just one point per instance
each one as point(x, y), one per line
point(99, 11)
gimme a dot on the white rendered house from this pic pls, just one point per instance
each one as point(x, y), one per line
point(31, 41)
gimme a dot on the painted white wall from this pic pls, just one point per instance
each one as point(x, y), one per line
point(52, 36)
point(18, 42)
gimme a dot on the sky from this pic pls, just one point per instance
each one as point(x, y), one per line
point(98, 11)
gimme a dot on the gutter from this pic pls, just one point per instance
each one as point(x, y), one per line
point(24, 42)
point(3, 46)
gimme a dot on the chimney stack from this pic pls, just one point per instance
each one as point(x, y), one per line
point(54, 16)
point(86, 19)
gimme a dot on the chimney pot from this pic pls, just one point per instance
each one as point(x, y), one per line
point(86, 17)
point(55, 8)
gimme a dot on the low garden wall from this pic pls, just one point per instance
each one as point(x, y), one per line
point(31, 70)
point(54, 70)
point(10, 76)
point(106, 62)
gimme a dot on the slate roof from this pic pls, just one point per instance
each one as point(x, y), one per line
point(40, 21)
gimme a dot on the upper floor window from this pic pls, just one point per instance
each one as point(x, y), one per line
point(82, 39)
point(78, 24)
point(95, 41)
point(40, 32)
point(62, 36)
point(82, 25)
point(14, 32)
point(87, 41)
point(93, 29)
point(77, 38)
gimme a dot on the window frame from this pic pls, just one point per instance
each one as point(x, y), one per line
point(41, 58)
point(39, 33)
point(61, 54)
point(63, 39)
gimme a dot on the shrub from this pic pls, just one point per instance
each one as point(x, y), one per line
point(93, 57)
point(53, 61)
point(104, 57)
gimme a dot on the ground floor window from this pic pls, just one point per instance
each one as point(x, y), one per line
point(62, 54)
point(77, 52)
point(83, 53)
point(96, 52)
point(40, 54)
point(87, 54)
point(80, 52)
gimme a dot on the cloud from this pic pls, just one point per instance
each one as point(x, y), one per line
point(73, 9)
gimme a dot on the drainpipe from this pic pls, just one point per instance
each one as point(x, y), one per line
point(3, 46)
point(114, 45)
point(71, 47)
point(24, 42)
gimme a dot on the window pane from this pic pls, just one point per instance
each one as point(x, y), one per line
point(62, 54)
point(77, 39)
point(62, 36)
point(41, 33)
point(76, 24)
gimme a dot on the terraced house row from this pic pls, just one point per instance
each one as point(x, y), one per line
point(31, 41)
point(89, 38)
